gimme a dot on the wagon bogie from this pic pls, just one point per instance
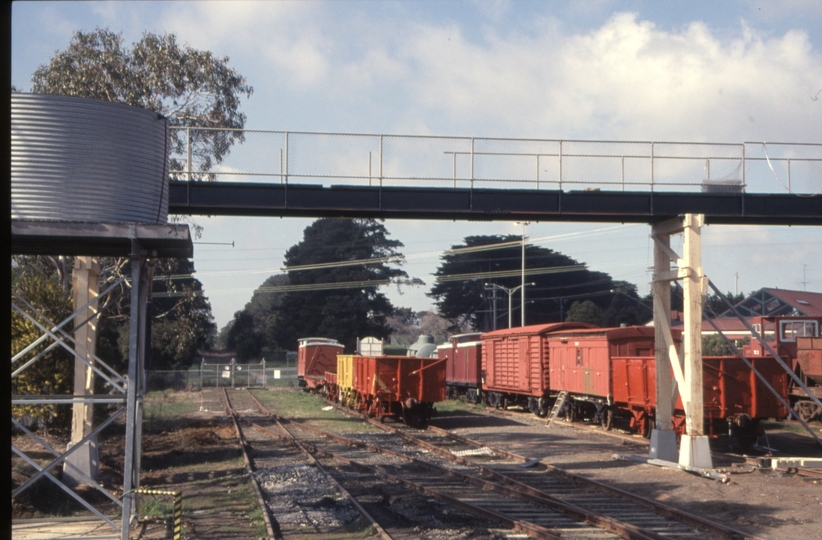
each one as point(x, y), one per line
point(538, 406)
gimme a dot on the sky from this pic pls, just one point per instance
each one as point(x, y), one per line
point(699, 71)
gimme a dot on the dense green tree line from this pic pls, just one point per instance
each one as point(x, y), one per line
point(332, 290)
point(465, 292)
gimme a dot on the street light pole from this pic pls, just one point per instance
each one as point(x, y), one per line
point(522, 298)
point(490, 286)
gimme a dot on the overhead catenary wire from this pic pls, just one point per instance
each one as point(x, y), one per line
point(324, 286)
point(423, 255)
point(445, 253)
point(511, 273)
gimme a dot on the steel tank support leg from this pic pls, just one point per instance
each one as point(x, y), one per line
point(134, 399)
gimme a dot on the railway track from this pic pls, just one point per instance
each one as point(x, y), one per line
point(537, 500)
point(754, 461)
point(271, 457)
point(550, 480)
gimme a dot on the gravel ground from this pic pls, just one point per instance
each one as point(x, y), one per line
point(302, 494)
point(200, 456)
point(768, 504)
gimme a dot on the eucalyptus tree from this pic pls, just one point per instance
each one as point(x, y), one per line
point(190, 87)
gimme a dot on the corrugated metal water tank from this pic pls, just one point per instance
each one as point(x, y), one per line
point(75, 159)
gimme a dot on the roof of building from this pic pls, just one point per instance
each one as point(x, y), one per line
point(767, 301)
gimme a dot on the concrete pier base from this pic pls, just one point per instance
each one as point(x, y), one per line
point(694, 451)
point(84, 459)
point(663, 445)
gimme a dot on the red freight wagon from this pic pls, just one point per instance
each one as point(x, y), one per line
point(515, 365)
point(796, 340)
point(733, 395)
point(613, 371)
point(594, 365)
point(809, 360)
point(463, 364)
point(315, 356)
point(404, 387)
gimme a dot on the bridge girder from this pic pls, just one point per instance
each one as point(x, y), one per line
point(304, 200)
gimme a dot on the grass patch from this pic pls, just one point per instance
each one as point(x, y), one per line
point(306, 407)
point(289, 382)
point(169, 406)
point(258, 522)
point(789, 427)
point(156, 506)
point(455, 407)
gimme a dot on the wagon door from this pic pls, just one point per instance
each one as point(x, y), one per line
point(524, 374)
point(556, 365)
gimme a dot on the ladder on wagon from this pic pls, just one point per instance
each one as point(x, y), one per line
point(558, 404)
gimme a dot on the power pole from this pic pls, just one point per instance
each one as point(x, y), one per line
point(522, 285)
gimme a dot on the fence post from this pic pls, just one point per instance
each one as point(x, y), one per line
point(265, 385)
point(233, 363)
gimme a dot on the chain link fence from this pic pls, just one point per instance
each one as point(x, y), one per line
point(221, 376)
point(466, 162)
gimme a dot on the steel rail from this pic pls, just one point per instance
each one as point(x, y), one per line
point(657, 507)
point(287, 437)
point(269, 527)
point(537, 531)
point(662, 509)
point(505, 485)
point(293, 440)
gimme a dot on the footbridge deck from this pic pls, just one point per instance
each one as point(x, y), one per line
point(271, 173)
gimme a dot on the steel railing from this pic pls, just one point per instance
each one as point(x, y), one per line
point(474, 162)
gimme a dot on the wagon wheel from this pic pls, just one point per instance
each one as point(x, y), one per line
point(806, 410)
point(607, 418)
point(748, 435)
point(645, 427)
point(412, 417)
point(570, 413)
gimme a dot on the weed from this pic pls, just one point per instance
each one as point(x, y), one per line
point(153, 507)
point(258, 522)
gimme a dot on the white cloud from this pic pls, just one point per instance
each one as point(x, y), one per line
point(480, 71)
point(625, 79)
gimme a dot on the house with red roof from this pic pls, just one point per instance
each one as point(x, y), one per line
point(766, 302)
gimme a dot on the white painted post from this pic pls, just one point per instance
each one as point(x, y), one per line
point(663, 437)
point(694, 450)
